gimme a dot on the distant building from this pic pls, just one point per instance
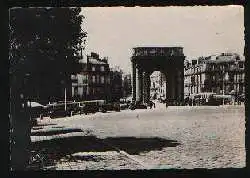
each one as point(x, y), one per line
point(127, 85)
point(93, 81)
point(116, 85)
point(158, 85)
point(221, 74)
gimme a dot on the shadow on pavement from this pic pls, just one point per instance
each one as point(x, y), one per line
point(47, 124)
point(59, 148)
point(54, 132)
point(133, 145)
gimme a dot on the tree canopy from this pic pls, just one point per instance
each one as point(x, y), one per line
point(45, 42)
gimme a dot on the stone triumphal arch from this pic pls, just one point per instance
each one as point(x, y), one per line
point(168, 60)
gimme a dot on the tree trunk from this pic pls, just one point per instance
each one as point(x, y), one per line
point(20, 128)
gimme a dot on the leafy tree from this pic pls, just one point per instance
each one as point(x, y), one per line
point(44, 45)
point(45, 42)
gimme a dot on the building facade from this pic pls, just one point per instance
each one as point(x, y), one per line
point(93, 81)
point(127, 85)
point(169, 60)
point(116, 85)
point(157, 85)
point(221, 74)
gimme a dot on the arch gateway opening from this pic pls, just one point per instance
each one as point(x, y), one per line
point(169, 61)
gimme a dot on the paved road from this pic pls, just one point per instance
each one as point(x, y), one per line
point(177, 137)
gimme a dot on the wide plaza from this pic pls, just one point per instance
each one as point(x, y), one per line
point(177, 137)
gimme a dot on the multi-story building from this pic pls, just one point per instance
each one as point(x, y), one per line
point(158, 85)
point(116, 85)
point(127, 85)
point(221, 74)
point(93, 81)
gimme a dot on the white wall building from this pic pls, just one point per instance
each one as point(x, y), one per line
point(158, 85)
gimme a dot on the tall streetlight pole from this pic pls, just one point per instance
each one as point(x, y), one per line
point(65, 89)
point(223, 87)
point(223, 91)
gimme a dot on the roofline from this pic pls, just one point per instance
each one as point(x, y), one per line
point(157, 47)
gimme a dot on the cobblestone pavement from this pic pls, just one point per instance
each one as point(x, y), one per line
point(176, 137)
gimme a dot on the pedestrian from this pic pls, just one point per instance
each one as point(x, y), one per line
point(151, 104)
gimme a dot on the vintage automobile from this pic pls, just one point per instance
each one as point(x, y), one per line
point(124, 106)
point(222, 99)
point(58, 110)
point(91, 106)
point(36, 110)
point(124, 103)
point(134, 106)
point(74, 108)
point(112, 106)
point(208, 98)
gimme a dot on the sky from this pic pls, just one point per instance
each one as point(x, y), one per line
point(200, 30)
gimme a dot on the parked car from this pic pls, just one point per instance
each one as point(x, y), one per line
point(58, 110)
point(36, 110)
point(74, 108)
point(110, 107)
point(162, 100)
point(91, 106)
point(134, 106)
point(141, 106)
point(124, 106)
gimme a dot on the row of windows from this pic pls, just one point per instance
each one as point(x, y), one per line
point(81, 91)
point(225, 76)
point(226, 88)
point(155, 51)
point(94, 79)
point(99, 79)
point(102, 68)
point(212, 67)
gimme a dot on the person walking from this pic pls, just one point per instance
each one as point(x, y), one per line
point(150, 104)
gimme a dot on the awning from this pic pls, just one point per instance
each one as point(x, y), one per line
point(223, 96)
point(35, 104)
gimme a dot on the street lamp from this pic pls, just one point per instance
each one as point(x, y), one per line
point(224, 76)
point(223, 90)
point(65, 94)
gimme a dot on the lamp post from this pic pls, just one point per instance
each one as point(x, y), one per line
point(223, 83)
point(65, 98)
point(223, 90)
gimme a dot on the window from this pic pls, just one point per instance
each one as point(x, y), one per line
point(108, 80)
point(241, 65)
point(192, 80)
point(93, 68)
point(93, 79)
point(102, 79)
point(102, 68)
point(213, 77)
point(97, 78)
point(84, 78)
point(226, 76)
